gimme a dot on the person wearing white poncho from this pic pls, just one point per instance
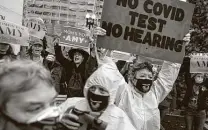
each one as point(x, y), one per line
point(104, 81)
point(141, 97)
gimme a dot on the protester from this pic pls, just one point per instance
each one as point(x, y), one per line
point(25, 89)
point(6, 52)
point(75, 70)
point(54, 67)
point(27, 95)
point(195, 101)
point(141, 97)
point(74, 79)
point(100, 92)
point(35, 50)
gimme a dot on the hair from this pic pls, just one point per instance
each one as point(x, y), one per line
point(144, 65)
point(21, 76)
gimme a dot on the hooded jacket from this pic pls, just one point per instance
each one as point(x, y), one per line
point(114, 116)
point(143, 110)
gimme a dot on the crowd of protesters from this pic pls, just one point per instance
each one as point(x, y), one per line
point(137, 89)
point(101, 94)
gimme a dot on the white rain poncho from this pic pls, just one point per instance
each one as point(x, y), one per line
point(114, 116)
point(143, 111)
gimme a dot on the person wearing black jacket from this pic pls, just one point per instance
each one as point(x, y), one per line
point(195, 101)
point(74, 77)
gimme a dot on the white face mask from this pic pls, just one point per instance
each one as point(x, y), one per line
point(199, 79)
point(45, 114)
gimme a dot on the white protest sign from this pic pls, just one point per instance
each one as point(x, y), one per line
point(11, 10)
point(13, 33)
point(199, 63)
point(36, 27)
point(152, 28)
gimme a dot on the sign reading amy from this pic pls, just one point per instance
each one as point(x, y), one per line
point(36, 27)
point(13, 33)
point(74, 36)
point(199, 63)
point(152, 28)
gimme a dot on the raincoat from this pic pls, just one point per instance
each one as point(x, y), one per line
point(143, 110)
point(114, 116)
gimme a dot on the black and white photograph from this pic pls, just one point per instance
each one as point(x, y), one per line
point(103, 64)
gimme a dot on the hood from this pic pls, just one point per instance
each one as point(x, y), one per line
point(107, 76)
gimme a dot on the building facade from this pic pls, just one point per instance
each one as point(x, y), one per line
point(63, 12)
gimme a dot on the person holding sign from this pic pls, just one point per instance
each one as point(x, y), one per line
point(195, 100)
point(141, 97)
point(75, 78)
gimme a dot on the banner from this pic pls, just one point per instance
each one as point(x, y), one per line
point(11, 10)
point(152, 28)
point(199, 63)
point(13, 33)
point(36, 27)
point(74, 36)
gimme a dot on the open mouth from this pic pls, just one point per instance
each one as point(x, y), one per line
point(95, 104)
point(146, 86)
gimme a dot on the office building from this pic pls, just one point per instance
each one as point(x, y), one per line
point(63, 12)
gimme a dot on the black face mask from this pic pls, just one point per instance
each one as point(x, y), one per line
point(144, 85)
point(104, 101)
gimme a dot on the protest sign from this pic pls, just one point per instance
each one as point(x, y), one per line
point(199, 63)
point(13, 33)
point(74, 36)
point(36, 27)
point(11, 10)
point(152, 28)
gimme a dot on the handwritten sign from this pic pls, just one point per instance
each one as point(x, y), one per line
point(74, 36)
point(36, 27)
point(13, 33)
point(152, 28)
point(199, 63)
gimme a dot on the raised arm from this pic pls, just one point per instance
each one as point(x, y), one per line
point(59, 56)
point(166, 78)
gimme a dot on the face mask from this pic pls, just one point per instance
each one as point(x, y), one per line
point(23, 126)
point(96, 102)
point(198, 80)
point(143, 85)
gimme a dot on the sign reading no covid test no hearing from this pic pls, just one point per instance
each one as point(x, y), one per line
point(152, 28)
